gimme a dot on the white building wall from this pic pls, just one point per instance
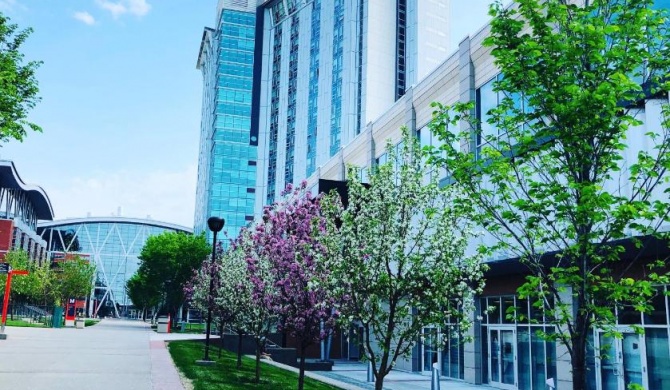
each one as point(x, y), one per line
point(432, 31)
point(379, 63)
point(302, 95)
point(325, 83)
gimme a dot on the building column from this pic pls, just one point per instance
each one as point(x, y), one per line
point(466, 88)
point(563, 364)
point(472, 351)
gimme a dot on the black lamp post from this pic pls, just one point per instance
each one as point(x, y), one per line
point(215, 224)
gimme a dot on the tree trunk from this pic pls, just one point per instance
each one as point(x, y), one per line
point(258, 363)
point(381, 372)
point(578, 358)
point(239, 349)
point(379, 381)
point(578, 371)
point(301, 376)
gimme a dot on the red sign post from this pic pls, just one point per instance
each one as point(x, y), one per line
point(5, 302)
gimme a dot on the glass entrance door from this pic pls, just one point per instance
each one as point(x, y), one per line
point(502, 357)
point(431, 347)
point(622, 361)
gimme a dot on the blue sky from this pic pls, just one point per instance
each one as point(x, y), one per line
point(121, 102)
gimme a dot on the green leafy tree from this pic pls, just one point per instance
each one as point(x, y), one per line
point(143, 295)
point(18, 85)
point(21, 286)
point(72, 278)
point(402, 263)
point(571, 171)
point(44, 279)
point(167, 262)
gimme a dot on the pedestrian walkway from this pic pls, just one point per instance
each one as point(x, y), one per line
point(112, 355)
point(355, 373)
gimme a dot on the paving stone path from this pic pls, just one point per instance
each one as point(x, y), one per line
point(114, 354)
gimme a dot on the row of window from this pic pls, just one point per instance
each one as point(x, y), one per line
point(274, 110)
point(336, 84)
point(312, 129)
point(292, 86)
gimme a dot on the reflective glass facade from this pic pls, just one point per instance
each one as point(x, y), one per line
point(313, 102)
point(274, 111)
point(228, 160)
point(292, 92)
point(336, 97)
point(113, 245)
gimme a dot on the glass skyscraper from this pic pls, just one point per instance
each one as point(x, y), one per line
point(228, 158)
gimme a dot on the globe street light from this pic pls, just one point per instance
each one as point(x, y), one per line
point(215, 224)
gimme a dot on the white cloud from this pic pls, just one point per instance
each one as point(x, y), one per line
point(121, 7)
point(6, 5)
point(138, 7)
point(84, 17)
point(165, 196)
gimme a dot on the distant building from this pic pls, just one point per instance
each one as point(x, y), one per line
point(113, 244)
point(21, 207)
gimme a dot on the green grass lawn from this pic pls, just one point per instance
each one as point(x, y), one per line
point(24, 324)
point(190, 328)
point(225, 375)
point(88, 323)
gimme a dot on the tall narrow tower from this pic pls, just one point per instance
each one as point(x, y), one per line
point(228, 157)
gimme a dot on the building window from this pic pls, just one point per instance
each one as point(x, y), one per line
point(336, 97)
point(292, 91)
point(313, 97)
point(487, 99)
point(274, 114)
point(401, 48)
point(512, 332)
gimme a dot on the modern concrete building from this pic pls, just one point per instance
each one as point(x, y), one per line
point(113, 244)
point(328, 67)
point(509, 354)
point(21, 207)
point(287, 83)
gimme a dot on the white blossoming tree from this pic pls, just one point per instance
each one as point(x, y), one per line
point(402, 263)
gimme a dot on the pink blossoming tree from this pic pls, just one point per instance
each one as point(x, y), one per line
point(294, 237)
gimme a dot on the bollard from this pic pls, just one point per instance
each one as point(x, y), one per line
point(435, 378)
point(371, 376)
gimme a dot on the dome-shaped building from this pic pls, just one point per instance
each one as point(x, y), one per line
point(113, 244)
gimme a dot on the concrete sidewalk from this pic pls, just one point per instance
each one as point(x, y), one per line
point(355, 374)
point(114, 354)
point(349, 375)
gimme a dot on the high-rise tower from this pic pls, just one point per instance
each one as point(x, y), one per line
point(329, 67)
point(228, 157)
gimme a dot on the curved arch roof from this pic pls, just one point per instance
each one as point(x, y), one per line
point(120, 220)
point(9, 178)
